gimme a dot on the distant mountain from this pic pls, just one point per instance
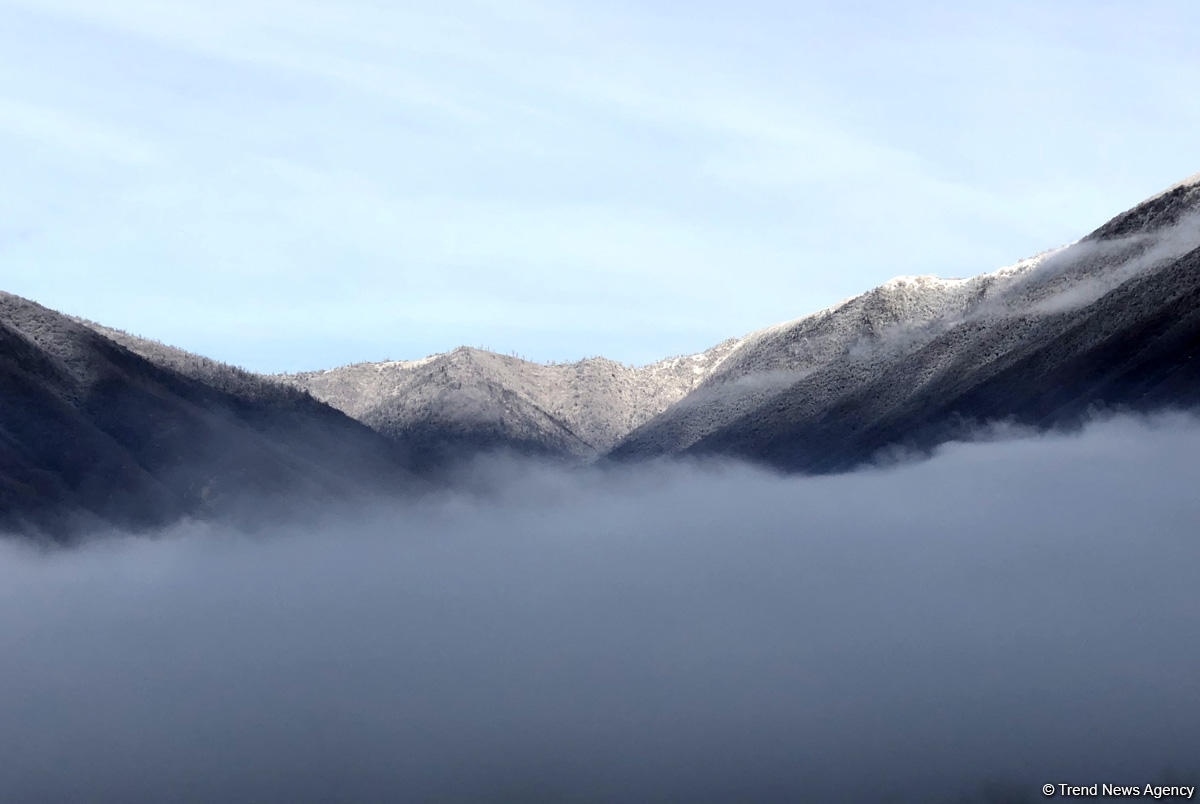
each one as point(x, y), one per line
point(92, 433)
point(99, 426)
point(469, 399)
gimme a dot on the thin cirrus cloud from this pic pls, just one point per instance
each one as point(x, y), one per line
point(682, 178)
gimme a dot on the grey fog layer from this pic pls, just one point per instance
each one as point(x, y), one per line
point(960, 630)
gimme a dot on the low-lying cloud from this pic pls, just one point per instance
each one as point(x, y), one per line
point(1005, 615)
point(1086, 271)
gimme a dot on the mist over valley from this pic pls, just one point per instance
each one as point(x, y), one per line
point(965, 628)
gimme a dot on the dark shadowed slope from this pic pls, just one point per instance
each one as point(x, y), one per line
point(213, 373)
point(91, 433)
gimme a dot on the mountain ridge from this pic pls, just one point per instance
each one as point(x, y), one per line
point(460, 402)
point(98, 426)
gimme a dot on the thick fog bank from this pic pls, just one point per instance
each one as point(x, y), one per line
point(1005, 615)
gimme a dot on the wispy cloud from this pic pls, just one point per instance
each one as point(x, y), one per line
point(46, 127)
point(732, 170)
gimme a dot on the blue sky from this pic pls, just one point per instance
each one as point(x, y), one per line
point(294, 185)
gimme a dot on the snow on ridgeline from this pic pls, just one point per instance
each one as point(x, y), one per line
point(601, 401)
point(597, 399)
point(587, 407)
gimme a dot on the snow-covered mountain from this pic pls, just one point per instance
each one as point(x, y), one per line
point(866, 330)
point(745, 395)
point(470, 399)
point(1109, 321)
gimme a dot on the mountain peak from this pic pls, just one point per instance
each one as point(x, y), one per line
point(1156, 212)
point(922, 281)
point(1190, 181)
